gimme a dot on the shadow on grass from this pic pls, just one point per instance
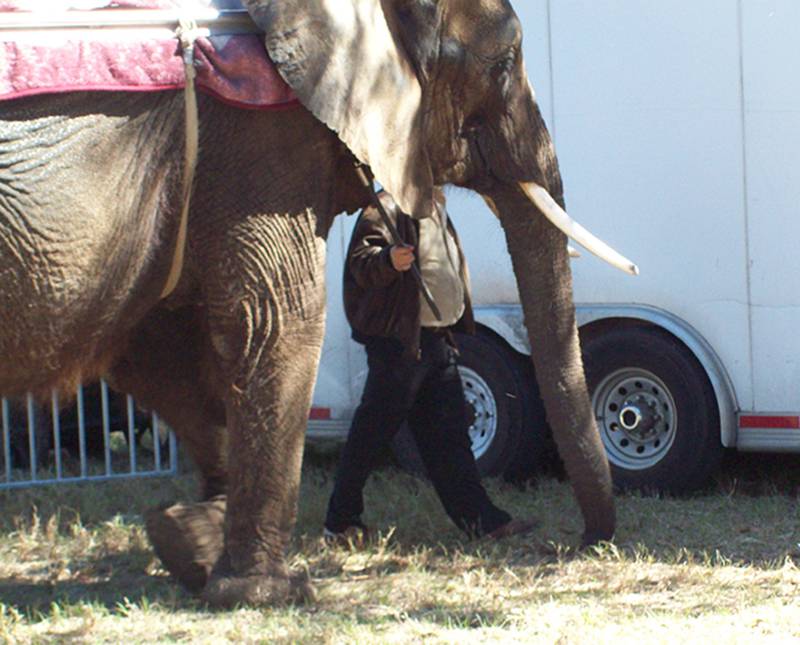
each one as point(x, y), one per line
point(748, 516)
point(112, 582)
point(759, 474)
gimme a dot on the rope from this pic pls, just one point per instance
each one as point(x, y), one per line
point(187, 33)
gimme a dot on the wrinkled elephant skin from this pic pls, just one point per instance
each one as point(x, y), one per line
point(91, 201)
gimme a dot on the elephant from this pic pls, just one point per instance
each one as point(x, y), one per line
point(423, 93)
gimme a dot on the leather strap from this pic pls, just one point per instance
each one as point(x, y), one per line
point(187, 33)
point(367, 178)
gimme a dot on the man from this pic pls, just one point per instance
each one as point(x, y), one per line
point(413, 373)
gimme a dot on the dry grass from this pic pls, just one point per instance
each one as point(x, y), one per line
point(75, 567)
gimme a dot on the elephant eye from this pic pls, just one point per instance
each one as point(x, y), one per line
point(501, 70)
point(472, 125)
point(503, 67)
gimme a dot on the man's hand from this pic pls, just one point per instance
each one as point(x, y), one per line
point(402, 257)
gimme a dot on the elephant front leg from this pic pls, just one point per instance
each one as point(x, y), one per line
point(268, 333)
point(267, 430)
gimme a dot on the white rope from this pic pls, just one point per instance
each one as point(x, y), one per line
point(187, 33)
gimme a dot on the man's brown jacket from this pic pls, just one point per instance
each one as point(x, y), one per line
point(379, 300)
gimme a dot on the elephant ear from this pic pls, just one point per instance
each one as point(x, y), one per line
point(344, 60)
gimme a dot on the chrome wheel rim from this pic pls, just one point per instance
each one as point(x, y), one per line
point(636, 416)
point(479, 396)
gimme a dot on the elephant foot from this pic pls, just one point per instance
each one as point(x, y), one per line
point(227, 589)
point(189, 539)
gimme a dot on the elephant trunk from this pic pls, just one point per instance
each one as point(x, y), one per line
point(541, 265)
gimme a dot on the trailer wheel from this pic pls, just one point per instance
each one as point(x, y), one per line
point(655, 410)
point(499, 401)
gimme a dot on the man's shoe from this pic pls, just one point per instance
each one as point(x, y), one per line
point(512, 527)
point(355, 536)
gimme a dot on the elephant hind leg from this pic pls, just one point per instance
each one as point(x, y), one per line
point(167, 368)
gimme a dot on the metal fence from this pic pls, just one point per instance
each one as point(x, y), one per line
point(100, 436)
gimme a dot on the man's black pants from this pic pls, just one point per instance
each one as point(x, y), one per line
point(429, 395)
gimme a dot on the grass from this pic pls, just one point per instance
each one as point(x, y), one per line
point(75, 566)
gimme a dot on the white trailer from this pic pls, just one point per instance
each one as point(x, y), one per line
point(677, 126)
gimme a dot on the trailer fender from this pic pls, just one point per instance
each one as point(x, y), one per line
point(507, 321)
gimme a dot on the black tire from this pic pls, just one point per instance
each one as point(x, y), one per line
point(500, 400)
point(536, 452)
point(655, 410)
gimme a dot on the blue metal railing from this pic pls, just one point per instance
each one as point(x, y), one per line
point(34, 451)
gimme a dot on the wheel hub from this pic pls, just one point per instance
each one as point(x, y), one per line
point(636, 416)
point(630, 417)
point(639, 417)
point(481, 410)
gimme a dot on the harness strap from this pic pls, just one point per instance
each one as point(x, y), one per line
point(187, 33)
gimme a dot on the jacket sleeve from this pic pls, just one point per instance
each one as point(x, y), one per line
point(368, 256)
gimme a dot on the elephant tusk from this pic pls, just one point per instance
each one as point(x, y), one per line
point(571, 250)
point(559, 217)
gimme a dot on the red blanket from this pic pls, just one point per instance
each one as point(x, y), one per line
point(235, 68)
